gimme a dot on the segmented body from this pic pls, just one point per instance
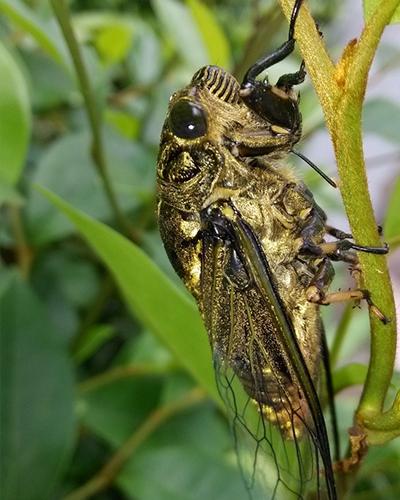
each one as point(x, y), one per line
point(233, 219)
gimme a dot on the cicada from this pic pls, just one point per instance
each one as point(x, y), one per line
point(248, 240)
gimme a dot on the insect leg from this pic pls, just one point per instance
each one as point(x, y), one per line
point(278, 55)
point(338, 233)
point(336, 249)
point(287, 81)
point(316, 291)
point(248, 142)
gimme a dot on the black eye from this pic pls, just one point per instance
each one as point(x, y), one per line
point(187, 120)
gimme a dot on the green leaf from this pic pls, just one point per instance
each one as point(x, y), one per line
point(111, 34)
point(182, 30)
point(93, 339)
point(46, 34)
point(213, 37)
point(126, 124)
point(113, 43)
point(37, 419)
point(145, 61)
point(67, 168)
point(189, 457)
point(15, 122)
point(391, 227)
point(113, 411)
point(8, 194)
point(370, 6)
point(379, 475)
point(376, 113)
point(50, 86)
point(157, 302)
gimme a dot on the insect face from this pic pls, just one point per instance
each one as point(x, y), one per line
point(211, 129)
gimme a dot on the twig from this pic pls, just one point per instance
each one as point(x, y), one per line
point(24, 253)
point(95, 309)
point(62, 14)
point(110, 470)
point(121, 372)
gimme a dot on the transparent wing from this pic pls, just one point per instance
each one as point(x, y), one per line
point(277, 423)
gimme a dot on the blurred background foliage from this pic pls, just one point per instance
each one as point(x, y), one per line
point(107, 386)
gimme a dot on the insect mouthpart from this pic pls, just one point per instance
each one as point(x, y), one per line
point(180, 167)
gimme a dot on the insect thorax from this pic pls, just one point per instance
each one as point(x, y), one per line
point(215, 150)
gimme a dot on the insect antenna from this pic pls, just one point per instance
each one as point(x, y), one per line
point(317, 169)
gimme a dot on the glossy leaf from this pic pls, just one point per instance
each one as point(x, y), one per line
point(93, 339)
point(47, 35)
point(153, 298)
point(37, 420)
point(67, 168)
point(15, 122)
point(212, 35)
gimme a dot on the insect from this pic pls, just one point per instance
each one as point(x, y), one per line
point(248, 241)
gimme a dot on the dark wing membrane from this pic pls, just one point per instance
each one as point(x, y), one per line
point(279, 429)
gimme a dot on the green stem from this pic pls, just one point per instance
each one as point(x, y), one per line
point(340, 334)
point(24, 253)
point(62, 14)
point(106, 288)
point(121, 372)
point(348, 376)
point(347, 138)
point(102, 479)
point(318, 62)
point(341, 91)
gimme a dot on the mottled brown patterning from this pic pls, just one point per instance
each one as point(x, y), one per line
point(228, 165)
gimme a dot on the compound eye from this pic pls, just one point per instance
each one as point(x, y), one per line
point(188, 120)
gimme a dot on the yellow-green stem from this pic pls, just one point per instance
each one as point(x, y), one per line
point(341, 91)
point(347, 139)
point(318, 62)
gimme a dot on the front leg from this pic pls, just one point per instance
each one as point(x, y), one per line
point(316, 291)
point(181, 235)
point(339, 250)
point(248, 142)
